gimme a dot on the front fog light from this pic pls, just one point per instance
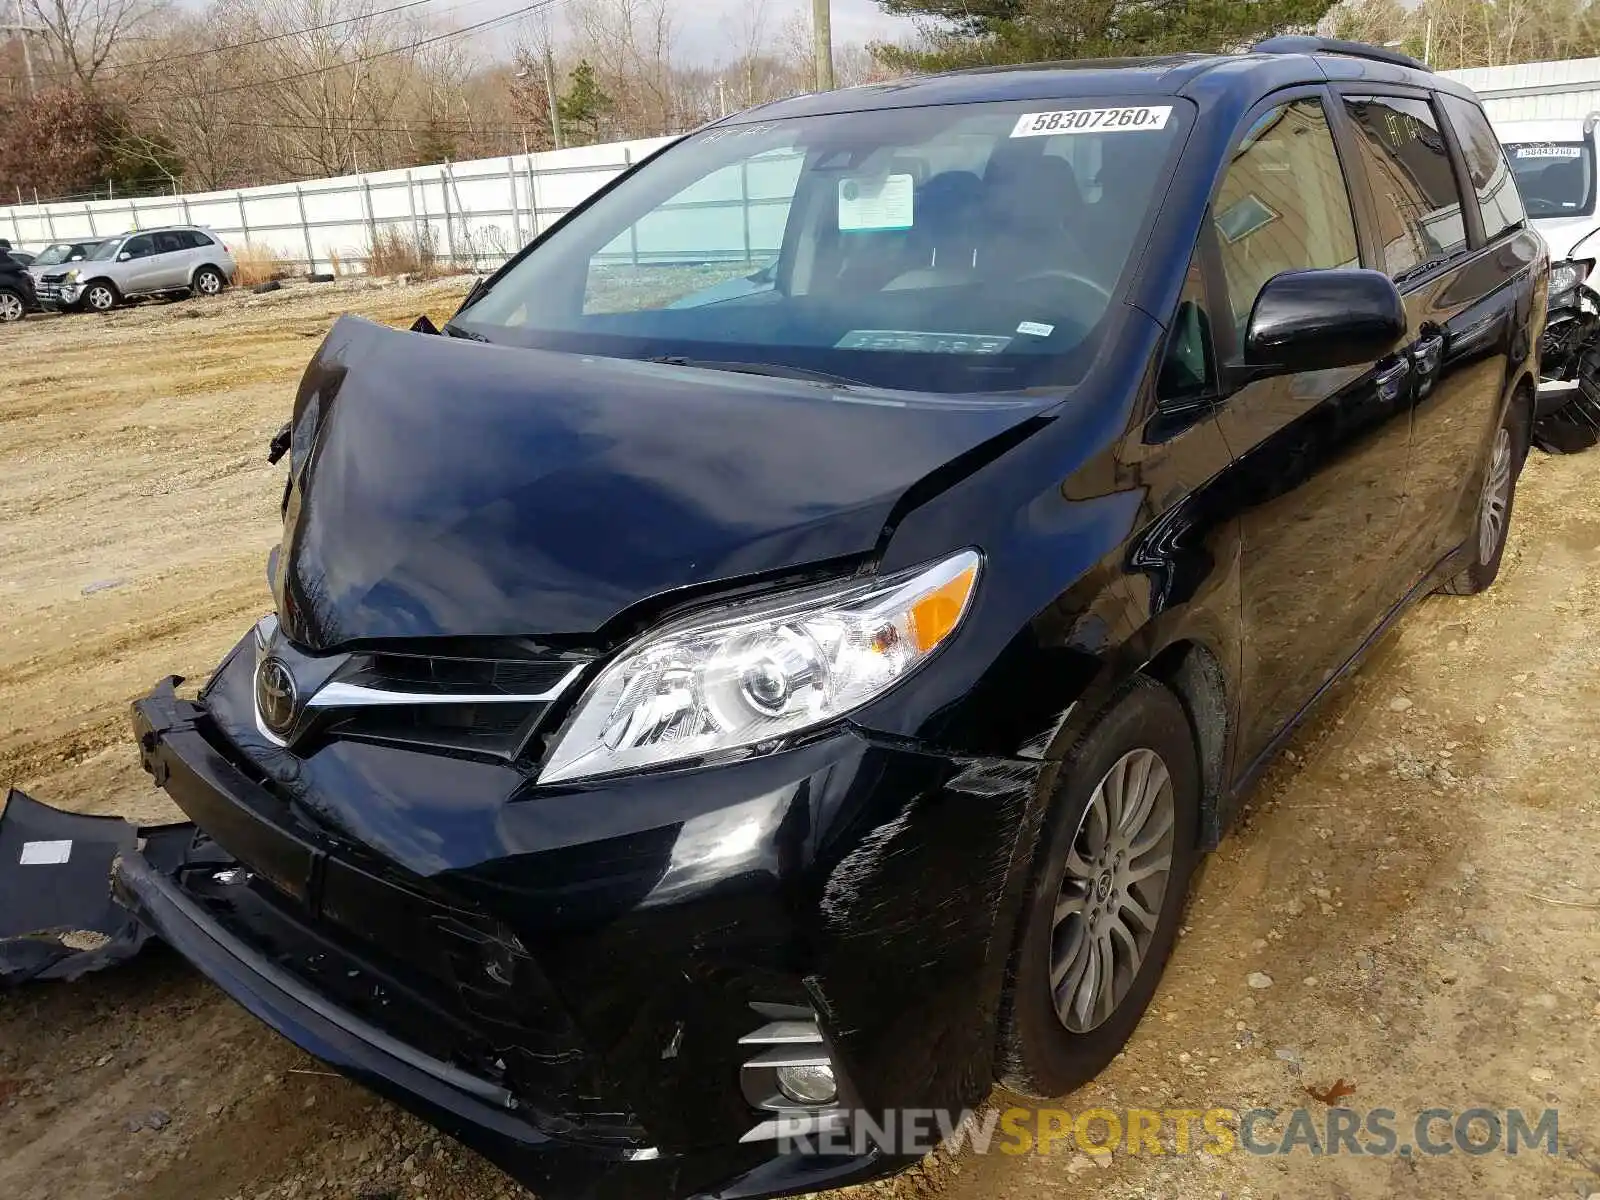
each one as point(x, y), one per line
point(808, 1084)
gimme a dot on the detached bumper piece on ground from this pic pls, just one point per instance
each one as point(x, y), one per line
point(57, 917)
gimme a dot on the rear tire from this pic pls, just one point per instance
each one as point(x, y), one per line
point(208, 282)
point(101, 296)
point(1496, 500)
point(1057, 1030)
point(12, 306)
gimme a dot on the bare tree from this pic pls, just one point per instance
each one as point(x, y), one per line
point(82, 36)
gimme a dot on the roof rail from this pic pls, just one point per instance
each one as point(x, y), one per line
point(1295, 44)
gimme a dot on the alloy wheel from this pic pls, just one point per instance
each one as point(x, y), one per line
point(10, 308)
point(101, 299)
point(1496, 497)
point(209, 283)
point(1112, 891)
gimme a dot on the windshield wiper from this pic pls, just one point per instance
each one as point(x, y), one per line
point(453, 330)
point(774, 370)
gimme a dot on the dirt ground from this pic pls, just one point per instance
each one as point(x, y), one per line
point(1418, 877)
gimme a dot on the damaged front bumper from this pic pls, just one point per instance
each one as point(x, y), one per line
point(581, 1013)
point(1569, 353)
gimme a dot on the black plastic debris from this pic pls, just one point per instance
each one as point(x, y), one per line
point(57, 918)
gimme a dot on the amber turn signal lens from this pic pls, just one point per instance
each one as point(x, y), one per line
point(933, 616)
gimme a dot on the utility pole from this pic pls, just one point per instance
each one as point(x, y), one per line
point(822, 31)
point(21, 30)
point(550, 94)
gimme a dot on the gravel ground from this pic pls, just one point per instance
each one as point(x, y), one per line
point(1417, 878)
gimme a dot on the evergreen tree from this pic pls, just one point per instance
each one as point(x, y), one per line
point(965, 33)
point(584, 103)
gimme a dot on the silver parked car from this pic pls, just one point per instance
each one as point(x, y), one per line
point(178, 259)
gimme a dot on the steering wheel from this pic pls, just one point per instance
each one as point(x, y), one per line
point(1085, 299)
point(1070, 277)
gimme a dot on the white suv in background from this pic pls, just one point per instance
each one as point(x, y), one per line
point(181, 259)
point(1554, 164)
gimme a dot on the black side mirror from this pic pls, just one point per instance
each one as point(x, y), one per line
point(1314, 320)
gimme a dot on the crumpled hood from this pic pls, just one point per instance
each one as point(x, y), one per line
point(443, 487)
point(1566, 236)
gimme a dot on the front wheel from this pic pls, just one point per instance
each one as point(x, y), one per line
point(1496, 497)
point(100, 297)
point(11, 307)
point(1119, 845)
point(208, 281)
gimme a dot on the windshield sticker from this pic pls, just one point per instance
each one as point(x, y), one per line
point(881, 203)
point(1549, 152)
point(908, 341)
point(1093, 120)
point(1036, 328)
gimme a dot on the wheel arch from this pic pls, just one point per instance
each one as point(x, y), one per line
point(1525, 388)
point(1191, 670)
point(116, 292)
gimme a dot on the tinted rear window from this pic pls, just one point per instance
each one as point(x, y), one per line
point(1486, 164)
point(1413, 181)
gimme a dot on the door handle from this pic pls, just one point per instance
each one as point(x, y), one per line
point(1429, 351)
point(1391, 380)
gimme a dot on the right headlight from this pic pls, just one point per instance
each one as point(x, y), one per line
point(756, 673)
point(71, 276)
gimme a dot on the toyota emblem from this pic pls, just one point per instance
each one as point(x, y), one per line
point(276, 698)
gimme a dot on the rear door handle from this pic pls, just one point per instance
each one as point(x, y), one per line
point(1391, 380)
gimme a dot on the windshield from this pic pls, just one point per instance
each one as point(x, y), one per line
point(63, 252)
point(1556, 179)
point(104, 250)
point(962, 248)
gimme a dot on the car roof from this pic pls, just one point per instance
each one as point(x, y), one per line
point(1551, 129)
point(157, 229)
point(1198, 76)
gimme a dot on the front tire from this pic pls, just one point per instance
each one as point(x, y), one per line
point(100, 296)
point(1119, 845)
point(1496, 498)
point(12, 307)
point(208, 282)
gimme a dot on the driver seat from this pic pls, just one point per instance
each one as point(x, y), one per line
point(1031, 210)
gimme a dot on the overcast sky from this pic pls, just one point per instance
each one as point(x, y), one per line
point(707, 28)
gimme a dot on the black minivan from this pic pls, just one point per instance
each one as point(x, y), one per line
point(775, 657)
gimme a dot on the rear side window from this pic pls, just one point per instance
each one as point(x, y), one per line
point(195, 239)
point(1413, 182)
point(170, 243)
point(1283, 204)
point(1491, 176)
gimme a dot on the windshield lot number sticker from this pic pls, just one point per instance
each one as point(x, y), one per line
point(882, 203)
point(1549, 152)
point(1093, 120)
